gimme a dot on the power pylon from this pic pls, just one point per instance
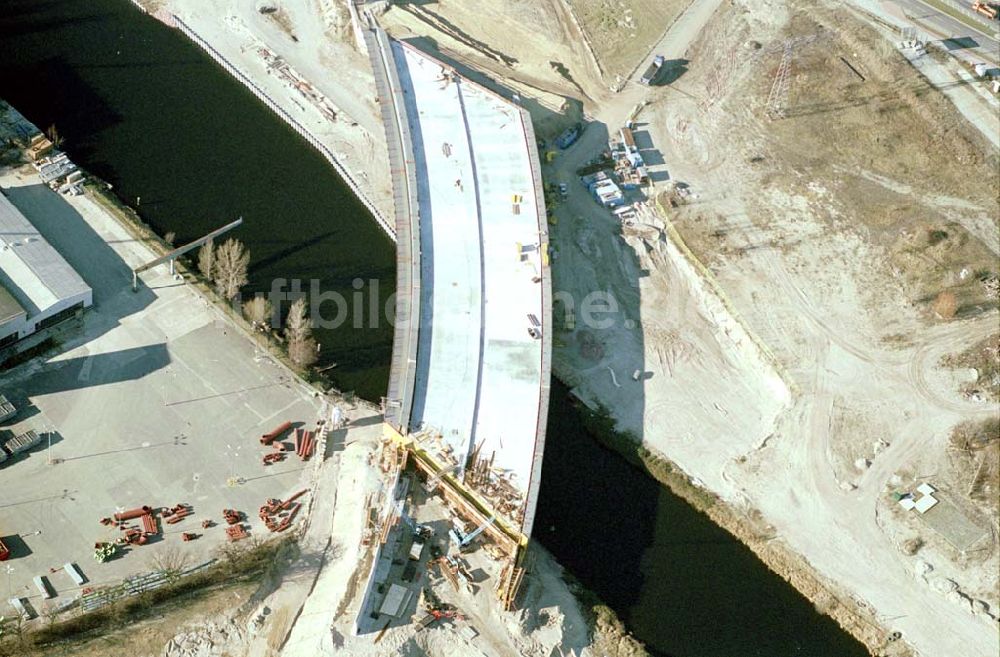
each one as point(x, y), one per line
point(777, 99)
point(778, 96)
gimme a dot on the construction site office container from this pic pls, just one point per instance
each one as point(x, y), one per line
point(43, 586)
point(74, 573)
point(19, 607)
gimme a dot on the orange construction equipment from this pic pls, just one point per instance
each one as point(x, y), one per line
point(986, 9)
point(271, 436)
point(4, 552)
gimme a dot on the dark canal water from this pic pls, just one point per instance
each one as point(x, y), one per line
point(680, 583)
point(146, 110)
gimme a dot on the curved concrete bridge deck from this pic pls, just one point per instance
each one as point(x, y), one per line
point(470, 372)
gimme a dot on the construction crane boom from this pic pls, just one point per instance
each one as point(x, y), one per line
point(179, 251)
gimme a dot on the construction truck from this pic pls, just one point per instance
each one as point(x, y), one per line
point(987, 9)
point(652, 71)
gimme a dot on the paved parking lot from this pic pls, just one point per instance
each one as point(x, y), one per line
point(155, 400)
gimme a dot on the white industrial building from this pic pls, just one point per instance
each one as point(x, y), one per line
point(38, 288)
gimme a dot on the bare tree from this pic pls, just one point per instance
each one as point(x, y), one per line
point(231, 262)
point(54, 136)
point(170, 237)
point(297, 324)
point(298, 331)
point(206, 259)
point(170, 561)
point(258, 311)
point(303, 351)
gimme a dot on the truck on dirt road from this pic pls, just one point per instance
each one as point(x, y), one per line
point(652, 71)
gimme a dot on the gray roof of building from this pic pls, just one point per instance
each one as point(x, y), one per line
point(30, 268)
point(9, 307)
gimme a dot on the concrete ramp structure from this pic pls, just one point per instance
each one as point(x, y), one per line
point(469, 382)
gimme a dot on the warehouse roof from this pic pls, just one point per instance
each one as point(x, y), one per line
point(9, 307)
point(31, 270)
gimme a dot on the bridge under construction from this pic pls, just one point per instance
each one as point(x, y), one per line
point(468, 391)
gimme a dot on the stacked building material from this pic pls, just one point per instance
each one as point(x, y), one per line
point(273, 457)
point(305, 443)
point(175, 514)
point(104, 551)
point(132, 536)
point(22, 442)
point(273, 435)
point(236, 532)
point(7, 410)
point(149, 524)
point(278, 515)
point(231, 516)
point(131, 514)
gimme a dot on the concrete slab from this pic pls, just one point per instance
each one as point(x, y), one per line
point(479, 378)
point(448, 351)
point(156, 400)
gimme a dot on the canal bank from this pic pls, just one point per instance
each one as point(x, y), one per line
point(143, 108)
point(168, 127)
point(670, 559)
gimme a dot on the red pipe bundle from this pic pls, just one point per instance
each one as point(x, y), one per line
point(270, 437)
point(178, 513)
point(133, 513)
point(304, 447)
point(149, 524)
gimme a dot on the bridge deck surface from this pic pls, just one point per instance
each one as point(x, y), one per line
point(478, 376)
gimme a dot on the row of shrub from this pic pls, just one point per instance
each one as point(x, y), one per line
point(250, 562)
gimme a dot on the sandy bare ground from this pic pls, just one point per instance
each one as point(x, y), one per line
point(833, 291)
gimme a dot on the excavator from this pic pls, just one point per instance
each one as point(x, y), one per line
point(987, 9)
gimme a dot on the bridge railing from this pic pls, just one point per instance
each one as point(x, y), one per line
point(402, 370)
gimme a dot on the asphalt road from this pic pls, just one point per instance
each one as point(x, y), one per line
point(940, 25)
